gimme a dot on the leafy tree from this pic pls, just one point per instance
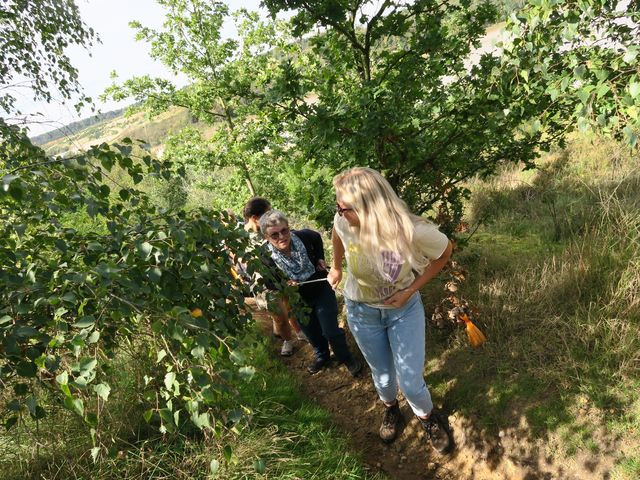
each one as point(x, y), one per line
point(221, 74)
point(32, 50)
point(580, 58)
point(390, 85)
point(392, 89)
point(71, 297)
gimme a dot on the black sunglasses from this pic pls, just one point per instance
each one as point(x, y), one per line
point(341, 210)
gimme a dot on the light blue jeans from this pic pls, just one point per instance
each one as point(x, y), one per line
point(392, 341)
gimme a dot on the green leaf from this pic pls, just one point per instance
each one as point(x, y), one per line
point(31, 404)
point(260, 465)
point(160, 355)
point(634, 89)
point(26, 332)
point(169, 380)
point(235, 415)
point(69, 297)
point(94, 337)
point(198, 352)
point(584, 94)
point(227, 452)
point(155, 274)
point(94, 246)
point(580, 71)
point(92, 419)
point(21, 389)
point(167, 419)
point(11, 421)
point(84, 322)
point(201, 420)
point(66, 390)
point(103, 390)
point(147, 415)
point(237, 357)
point(145, 249)
point(630, 55)
point(63, 378)
point(247, 373)
point(603, 90)
point(27, 369)
point(583, 124)
point(20, 229)
point(75, 405)
point(214, 466)
point(176, 417)
point(630, 136)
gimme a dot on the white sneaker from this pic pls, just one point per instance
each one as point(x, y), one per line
point(287, 348)
point(302, 337)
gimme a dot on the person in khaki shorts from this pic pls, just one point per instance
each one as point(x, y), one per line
point(284, 326)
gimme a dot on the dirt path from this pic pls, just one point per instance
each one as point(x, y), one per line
point(356, 411)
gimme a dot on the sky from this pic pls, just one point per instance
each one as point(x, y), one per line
point(118, 51)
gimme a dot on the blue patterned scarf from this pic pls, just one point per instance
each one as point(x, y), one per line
point(297, 267)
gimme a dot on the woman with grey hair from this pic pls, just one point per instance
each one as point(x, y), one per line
point(299, 255)
point(278, 306)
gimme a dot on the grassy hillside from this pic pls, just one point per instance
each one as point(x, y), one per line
point(554, 269)
point(153, 131)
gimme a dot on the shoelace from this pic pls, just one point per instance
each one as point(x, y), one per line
point(429, 425)
point(390, 417)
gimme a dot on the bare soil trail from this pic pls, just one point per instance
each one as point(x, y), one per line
point(357, 412)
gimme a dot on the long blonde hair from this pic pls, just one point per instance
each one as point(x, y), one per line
point(385, 220)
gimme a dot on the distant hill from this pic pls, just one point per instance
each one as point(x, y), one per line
point(76, 127)
point(114, 126)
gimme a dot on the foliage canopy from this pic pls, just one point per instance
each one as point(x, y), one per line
point(386, 84)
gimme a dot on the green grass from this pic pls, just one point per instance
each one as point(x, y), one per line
point(282, 436)
point(627, 469)
point(554, 269)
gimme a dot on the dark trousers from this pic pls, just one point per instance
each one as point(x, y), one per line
point(322, 326)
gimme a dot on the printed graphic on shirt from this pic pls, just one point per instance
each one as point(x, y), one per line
point(392, 264)
point(366, 280)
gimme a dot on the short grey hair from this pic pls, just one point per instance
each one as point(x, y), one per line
point(272, 218)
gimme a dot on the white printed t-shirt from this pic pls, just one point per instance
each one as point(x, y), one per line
point(364, 282)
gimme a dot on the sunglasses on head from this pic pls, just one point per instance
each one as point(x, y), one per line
point(341, 210)
point(283, 232)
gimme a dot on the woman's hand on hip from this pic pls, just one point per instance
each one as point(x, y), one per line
point(334, 277)
point(399, 298)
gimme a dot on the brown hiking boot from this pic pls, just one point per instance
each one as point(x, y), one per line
point(390, 422)
point(439, 432)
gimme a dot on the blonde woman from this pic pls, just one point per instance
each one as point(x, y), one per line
point(390, 254)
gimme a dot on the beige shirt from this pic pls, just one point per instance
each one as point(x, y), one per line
point(365, 283)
